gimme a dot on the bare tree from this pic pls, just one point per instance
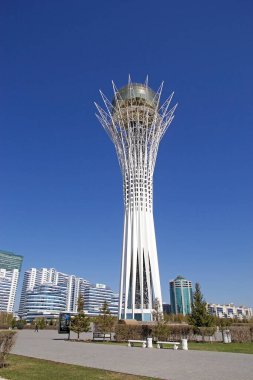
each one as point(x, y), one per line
point(157, 311)
point(7, 341)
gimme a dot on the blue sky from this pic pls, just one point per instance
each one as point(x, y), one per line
point(60, 185)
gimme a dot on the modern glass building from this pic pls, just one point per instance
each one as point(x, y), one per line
point(181, 295)
point(45, 300)
point(47, 292)
point(10, 266)
point(96, 295)
point(10, 261)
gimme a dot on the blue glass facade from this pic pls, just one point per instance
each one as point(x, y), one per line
point(96, 295)
point(47, 292)
point(10, 261)
point(46, 300)
point(181, 296)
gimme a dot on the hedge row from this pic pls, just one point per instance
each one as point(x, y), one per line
point(157, 332)
point(242, 334)
point(167, 332)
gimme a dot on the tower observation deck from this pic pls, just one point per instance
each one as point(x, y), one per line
point(136, 123)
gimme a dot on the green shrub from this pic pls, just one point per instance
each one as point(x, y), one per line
point(80, 323)
point(161, 331)
point(5, 319)
point(125, 332)
point(105, 322)
point(158, 331)
point(207, 332)
point(146, 331)
point(178, 332)
point(20, 324)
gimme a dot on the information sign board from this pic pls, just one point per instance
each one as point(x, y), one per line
point(64, 323)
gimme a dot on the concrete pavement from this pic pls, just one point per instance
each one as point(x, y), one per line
point(163, 364)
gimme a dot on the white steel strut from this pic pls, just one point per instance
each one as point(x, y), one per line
point(136, 124)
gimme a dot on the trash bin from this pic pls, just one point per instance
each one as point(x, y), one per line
point(226, 336)
point(149, 343)
point(184, 344)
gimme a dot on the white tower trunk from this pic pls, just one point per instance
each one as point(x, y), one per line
point(136, 124)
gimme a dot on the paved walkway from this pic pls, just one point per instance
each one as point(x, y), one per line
point(163, 364)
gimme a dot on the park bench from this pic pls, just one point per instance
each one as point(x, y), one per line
point(161, 344)
point(101, 336)
point(131, 342)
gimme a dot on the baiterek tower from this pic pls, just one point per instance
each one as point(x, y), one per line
point(136, 123)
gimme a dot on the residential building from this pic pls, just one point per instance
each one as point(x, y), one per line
point(45, 300)
point(230, 311)
point(46, 292)
point(181, 295)
point(10, 267)
point(96, 295)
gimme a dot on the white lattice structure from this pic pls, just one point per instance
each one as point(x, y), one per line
point(136, 124)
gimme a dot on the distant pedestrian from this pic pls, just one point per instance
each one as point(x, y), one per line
point(36, 327)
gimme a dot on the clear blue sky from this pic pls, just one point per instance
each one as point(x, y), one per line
point(60, 185)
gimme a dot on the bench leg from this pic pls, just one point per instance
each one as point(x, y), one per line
point(144, 345)
point(129, 344)
point(175, 347)
point(158, 346)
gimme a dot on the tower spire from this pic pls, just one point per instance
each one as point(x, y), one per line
point(136, 124)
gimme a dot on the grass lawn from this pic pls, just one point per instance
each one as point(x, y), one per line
point(243, 348)
point(24, 368)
